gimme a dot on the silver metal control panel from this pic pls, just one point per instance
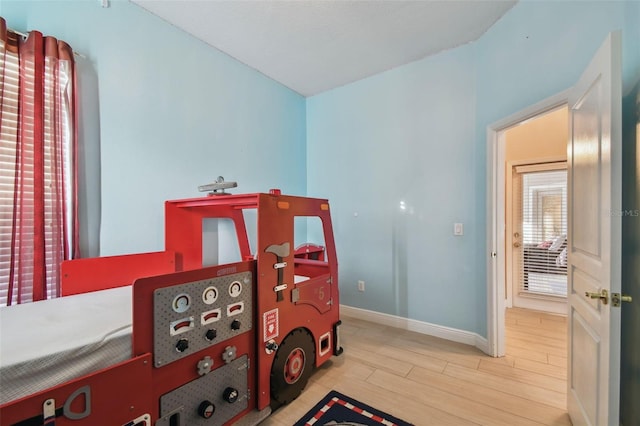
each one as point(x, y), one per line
point(193, 316)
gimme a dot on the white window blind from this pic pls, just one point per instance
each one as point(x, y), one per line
point(8, 137)
point(542, 199)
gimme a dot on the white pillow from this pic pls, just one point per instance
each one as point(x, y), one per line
point(561, 260)
point(557, 243)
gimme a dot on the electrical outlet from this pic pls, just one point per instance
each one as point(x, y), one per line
point(360, 285)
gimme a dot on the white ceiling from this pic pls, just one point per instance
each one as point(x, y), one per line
point(315, 45)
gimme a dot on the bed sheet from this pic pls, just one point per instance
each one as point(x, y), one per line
point(47, 343)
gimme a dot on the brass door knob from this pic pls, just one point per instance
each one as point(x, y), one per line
point(617, 299)
point(517, 244)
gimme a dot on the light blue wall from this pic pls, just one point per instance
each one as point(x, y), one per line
point(174, 113)
point(381, 150)
point(418, 134)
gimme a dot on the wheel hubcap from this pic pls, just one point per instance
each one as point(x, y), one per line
point(294, 366)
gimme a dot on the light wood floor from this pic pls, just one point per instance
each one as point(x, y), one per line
point(430, 381)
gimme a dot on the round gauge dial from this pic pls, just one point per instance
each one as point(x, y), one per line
point(210, 295)
point(181, 302)
point(235, 288)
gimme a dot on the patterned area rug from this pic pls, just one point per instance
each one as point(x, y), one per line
point(336, 409)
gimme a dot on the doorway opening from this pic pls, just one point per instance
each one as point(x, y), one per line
point(519, 142)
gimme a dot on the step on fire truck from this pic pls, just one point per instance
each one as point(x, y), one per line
point(213, 345)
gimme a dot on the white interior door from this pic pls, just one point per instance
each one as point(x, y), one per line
point(594, 241)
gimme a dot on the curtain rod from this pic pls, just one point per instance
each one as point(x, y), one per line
point(23, 35)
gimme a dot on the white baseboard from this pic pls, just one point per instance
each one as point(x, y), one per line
point(448, 333)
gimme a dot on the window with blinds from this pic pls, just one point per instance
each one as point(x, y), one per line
point(56, 161)
point(542, 204)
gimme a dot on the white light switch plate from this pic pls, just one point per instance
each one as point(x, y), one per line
point(458, 229)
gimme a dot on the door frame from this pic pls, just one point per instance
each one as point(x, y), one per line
point(496, 248)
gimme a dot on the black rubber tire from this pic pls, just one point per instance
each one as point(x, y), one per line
point(288, 377)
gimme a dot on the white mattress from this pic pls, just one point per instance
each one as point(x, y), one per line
point(47, 343)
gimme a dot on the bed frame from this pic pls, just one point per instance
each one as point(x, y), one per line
point(214, 345)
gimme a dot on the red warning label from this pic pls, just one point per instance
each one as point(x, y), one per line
point(271, 327)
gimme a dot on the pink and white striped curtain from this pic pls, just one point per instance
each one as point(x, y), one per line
point(38, 214)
